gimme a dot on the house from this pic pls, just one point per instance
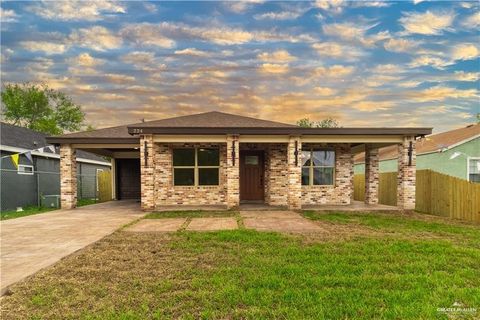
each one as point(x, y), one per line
point(24, 185)
point(455, 153)
point(216, 158)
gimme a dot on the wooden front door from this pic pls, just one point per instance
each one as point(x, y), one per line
point(251, 175)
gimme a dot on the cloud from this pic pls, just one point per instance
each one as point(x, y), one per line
point(440, 93)
point(76, 10)
point(84, 64)
point(428, 23)
point(332, 6)
point(7, 15)
point(426, 60)
point(48, 47)
point(472, 22)
point(279, 56)
point(355, 33)
point(409, 84)
point(147, 34)
point(284, 15)
point(86, 60)
point(142, 60)
point(96, 38)
point(370, 106)
point(162, 34)
point(151, 7)
point(337, 50)
point(119, 78)
point(400, 45)
point(192, 52)
point(241, 6)
point(387, 69)
point(465, 51)
point(346, 31)
point(466, 76)
point(274, 68)
point(335, 71)
point(324, 91)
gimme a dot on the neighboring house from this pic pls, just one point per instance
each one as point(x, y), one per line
point(216, 158)
point(435, 152)
point(24, 185)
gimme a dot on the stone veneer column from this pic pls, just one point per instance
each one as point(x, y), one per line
point(68, 177)
point(233, 172)
point(294, 174)
point(147, 181)
point(406, 175)
point(371, 174)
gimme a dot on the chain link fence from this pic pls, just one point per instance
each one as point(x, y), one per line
point(41, 188)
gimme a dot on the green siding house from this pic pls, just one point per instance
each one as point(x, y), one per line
point(455, 153)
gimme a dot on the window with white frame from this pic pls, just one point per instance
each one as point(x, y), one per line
point(25, 169)
point(318, 167)
point(474, 169)
point(196, 166)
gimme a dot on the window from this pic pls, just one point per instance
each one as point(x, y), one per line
point(25, 169)
point(196, 167)
point(318, 167)
point(474, 169)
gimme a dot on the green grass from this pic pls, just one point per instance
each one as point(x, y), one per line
point(245, 274)
point(85, 202)
point(190, 214)
point(401, 223)
point(27, 211)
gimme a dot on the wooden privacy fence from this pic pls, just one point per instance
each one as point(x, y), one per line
point(436, 193)
point(104, 179)
point(387, 188)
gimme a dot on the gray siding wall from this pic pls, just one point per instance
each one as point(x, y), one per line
point(17, 190)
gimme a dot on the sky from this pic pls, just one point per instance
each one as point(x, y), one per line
point(364, 63)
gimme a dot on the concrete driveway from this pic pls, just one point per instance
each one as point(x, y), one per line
point(31, 243)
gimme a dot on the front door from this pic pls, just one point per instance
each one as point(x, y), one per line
point(251, 175)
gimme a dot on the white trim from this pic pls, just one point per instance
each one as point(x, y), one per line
point(468, 165)
point(50, 155)
point(28, 173)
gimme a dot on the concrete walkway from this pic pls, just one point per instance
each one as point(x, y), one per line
point(280, 221)
point(31, 243)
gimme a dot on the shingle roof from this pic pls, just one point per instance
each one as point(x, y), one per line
point(214, 119)
point(215, 123)
point(432, 143)
point(20, 137)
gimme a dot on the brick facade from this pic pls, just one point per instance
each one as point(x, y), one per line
point(166, 194)
point(276, 175)
point(406, 175)
point(341, 193)
point(294, 170)
point(372, 176)
point(147, 176)
point(68, 177)
point(233, 172)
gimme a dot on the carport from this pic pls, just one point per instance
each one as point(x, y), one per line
point(116, 144)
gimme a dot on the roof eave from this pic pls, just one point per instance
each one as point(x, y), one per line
point(134, 130)
point(61, 140)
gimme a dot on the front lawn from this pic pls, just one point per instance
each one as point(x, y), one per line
point(386, 274)
point(27, 211)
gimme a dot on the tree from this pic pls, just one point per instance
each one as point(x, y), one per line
point(40, 108)
point(324, 123)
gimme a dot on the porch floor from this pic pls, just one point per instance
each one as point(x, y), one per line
point(355, 206)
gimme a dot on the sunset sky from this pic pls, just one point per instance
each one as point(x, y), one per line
point(363, 63)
